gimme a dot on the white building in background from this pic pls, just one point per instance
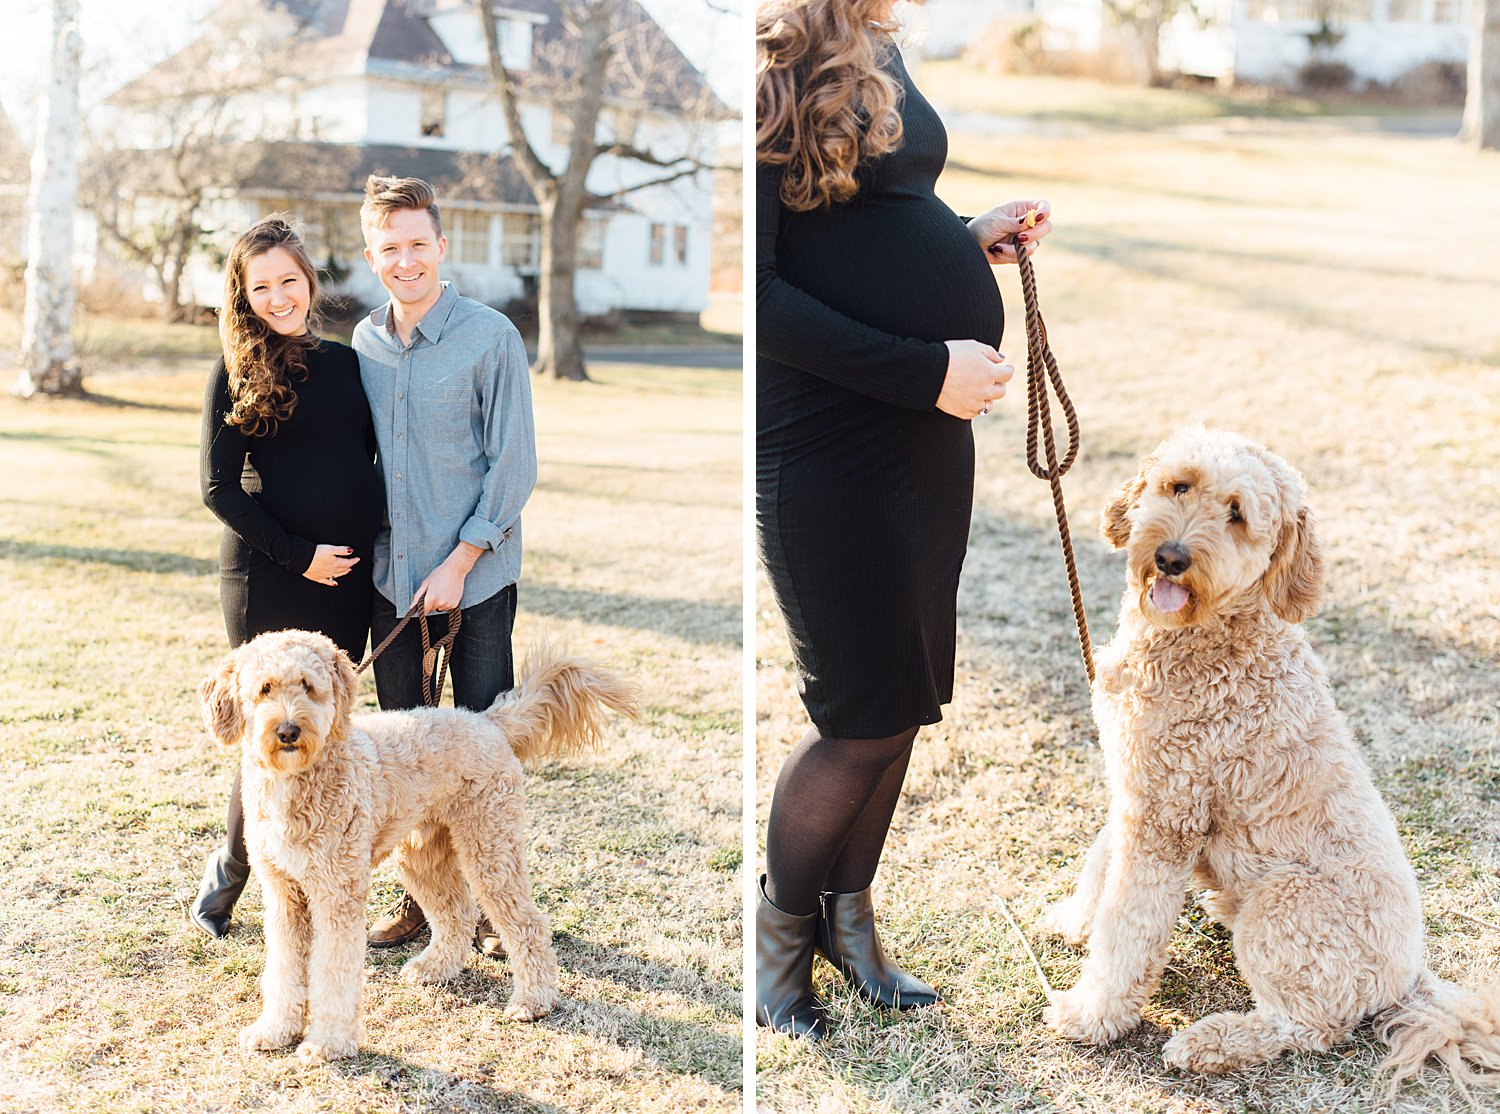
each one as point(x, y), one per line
point(1266, 41)
point(402, 87)
point(1253, 41)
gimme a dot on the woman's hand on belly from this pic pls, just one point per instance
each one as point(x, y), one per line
point(996, 230)
point(976, 377)
point(329, 563)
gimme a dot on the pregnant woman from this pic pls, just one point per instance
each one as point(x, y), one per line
point(287, 465)
point(877, 325)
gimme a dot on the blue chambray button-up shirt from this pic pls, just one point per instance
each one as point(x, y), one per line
point(453, 425)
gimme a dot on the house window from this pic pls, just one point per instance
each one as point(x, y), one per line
point(591, 243)
point(521, 241)
point(434, 112)
point(679, 245)
point(658, 244)
point(515, 43)
point(471, 238)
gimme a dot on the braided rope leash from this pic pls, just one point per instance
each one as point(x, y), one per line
point(1041, 369)
point(435, 655)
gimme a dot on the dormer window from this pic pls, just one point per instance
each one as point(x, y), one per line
point(515, 43)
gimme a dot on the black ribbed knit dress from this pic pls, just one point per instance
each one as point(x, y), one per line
point(311, 483)
point(863, 488)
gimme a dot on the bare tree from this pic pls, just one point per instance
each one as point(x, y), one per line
point(1482, 106)
point(48, 363)
point(179, 140)
point(611, 51)
point(1144, 20)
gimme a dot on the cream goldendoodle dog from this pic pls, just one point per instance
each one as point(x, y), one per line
point(328, 796)
point(1230, 767)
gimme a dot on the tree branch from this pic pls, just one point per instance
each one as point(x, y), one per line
point(538, 176)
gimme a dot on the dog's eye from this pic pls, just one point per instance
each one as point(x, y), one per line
point(265, 689)
point(1180, 489)
point(306, 685)
point(1234, 513)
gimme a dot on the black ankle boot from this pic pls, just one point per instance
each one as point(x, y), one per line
point(848, 940)
point(783, 971)
point(224, 879)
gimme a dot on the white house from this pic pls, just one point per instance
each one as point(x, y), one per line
point(1256, 41)
point(399, 87)
point(1266, 41)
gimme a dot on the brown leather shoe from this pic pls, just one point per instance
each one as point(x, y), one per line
point(486, 942)
point(401, 923)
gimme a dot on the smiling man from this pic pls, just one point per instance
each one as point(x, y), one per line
point(450, 393)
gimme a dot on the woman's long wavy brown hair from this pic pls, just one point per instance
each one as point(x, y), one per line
point(823, 105)
point(262, 365)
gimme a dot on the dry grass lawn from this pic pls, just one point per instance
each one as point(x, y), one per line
point(1319, 286)
point(112, 794)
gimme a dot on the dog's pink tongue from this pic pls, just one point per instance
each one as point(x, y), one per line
point(1167, 596)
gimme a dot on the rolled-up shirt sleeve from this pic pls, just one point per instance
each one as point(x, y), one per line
point(509, 445)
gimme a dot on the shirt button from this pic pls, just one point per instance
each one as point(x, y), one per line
point(401, 398)
point(398, 475)
point(400, 556)
point(398, 514)
point(400, 437)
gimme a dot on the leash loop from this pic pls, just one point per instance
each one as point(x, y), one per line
point(435, 655)
point(1041, 369)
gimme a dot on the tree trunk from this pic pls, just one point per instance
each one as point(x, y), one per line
point(1482, 105)
point(48, 363)
point(559, 345)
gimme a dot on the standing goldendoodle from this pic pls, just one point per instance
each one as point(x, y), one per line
point(327, 797)
point(1230, 766)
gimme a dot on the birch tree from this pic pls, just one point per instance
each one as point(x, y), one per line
point(48, 363)
point(611, 50)
point(1482, 104)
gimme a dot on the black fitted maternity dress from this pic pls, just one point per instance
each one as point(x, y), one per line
point(864, 488)
point(311, 483)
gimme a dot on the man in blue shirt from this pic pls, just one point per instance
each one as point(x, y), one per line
point(450, 394)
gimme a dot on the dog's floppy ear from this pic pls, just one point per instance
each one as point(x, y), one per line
point(221, 709)
point(1114, 523)
point(345, 688)
point(1294, 581)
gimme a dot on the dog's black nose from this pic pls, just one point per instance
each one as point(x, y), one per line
point(1172, 559)
point(288, 733)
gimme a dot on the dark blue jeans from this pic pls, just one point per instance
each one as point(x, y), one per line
point(482, 664)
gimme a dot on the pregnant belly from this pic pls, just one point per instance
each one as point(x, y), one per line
point(906, 266)
point(346, 511)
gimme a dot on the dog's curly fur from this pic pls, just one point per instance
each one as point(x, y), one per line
point(327, 796)
point(1230, 766)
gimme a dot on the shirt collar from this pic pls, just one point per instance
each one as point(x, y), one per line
point(431, 325)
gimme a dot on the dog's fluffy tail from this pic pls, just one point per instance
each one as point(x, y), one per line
point(1453, 1024)
point(561, 704)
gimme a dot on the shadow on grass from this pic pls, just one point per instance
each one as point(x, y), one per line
point(114, 402)
point(137, 560)
point(396, 1076)
point(699, 621)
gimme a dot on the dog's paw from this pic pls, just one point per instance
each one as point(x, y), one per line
point(1068, 919)
point(1075, 1014)
point(531, 1005)
point(319, 1048)
point(264, 1035)
point(425, 969)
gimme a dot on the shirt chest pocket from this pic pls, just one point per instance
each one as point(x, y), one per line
point(443, 413)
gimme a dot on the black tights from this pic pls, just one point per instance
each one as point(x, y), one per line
point(833, 806)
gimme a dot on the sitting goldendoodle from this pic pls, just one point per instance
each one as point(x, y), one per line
point(1230, 766)
point(328, 796)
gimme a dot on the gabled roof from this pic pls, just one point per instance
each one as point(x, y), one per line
point(386, 35)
